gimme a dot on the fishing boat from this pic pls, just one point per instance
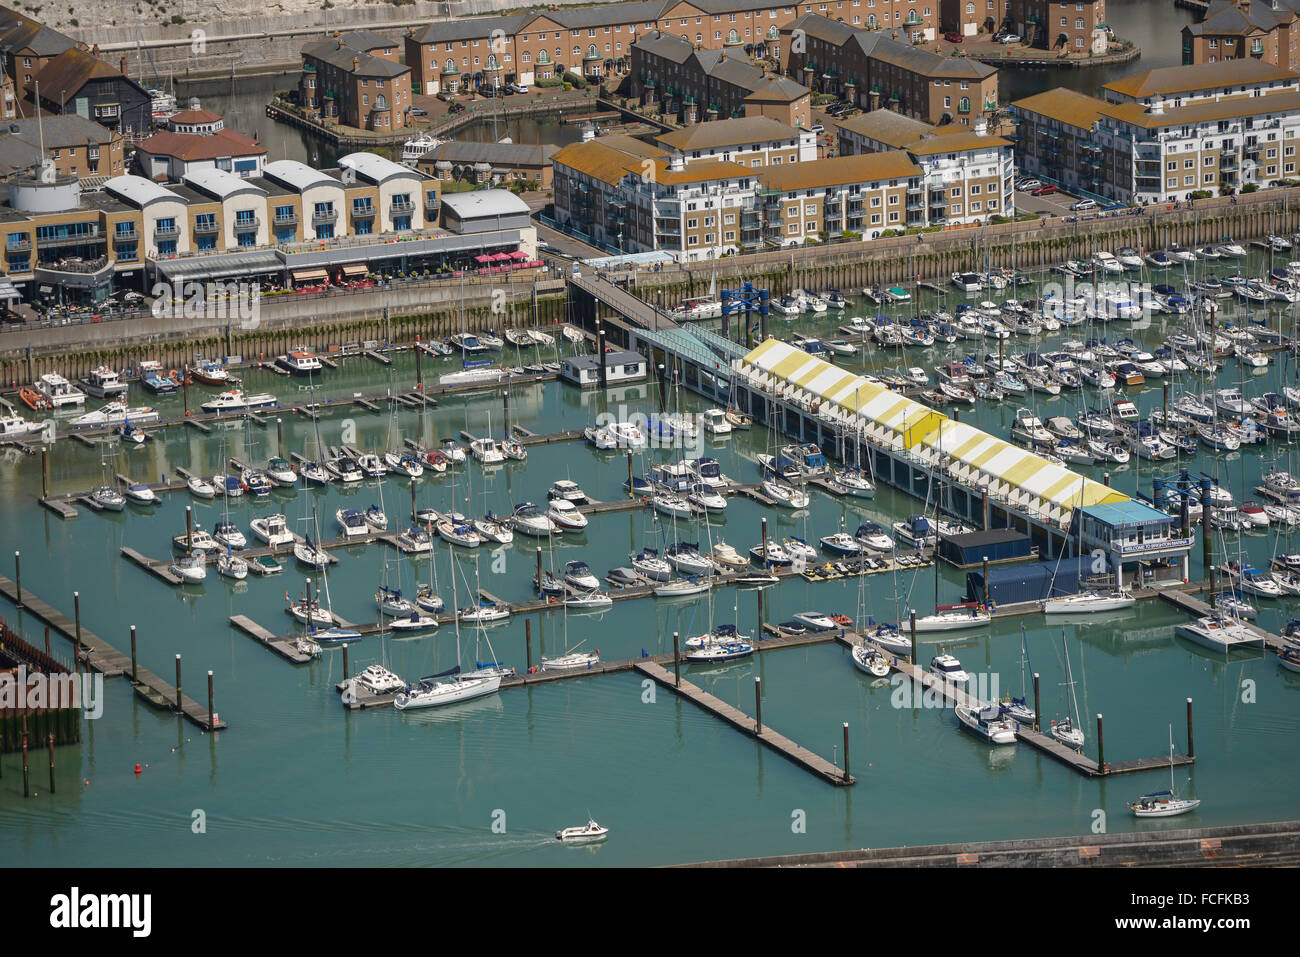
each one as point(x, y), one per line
point(208, 372)
point(57, 392)
point(1164, 803)
point(103, 383)
point(589, 833)
point(988, 723)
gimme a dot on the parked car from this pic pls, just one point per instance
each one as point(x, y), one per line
point(416, 111)
point(1047, 190)
point(1008, 38)
point(818, 128)
point(517, 87)
point(1083, 204)
point(445, 96)
point(1027, 184)
point(952, 36)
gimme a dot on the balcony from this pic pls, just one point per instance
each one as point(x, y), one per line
point(19, 245)
point(161, 231)
point(203, 227)
point(432, 204)
point(402, 206)
point(321, 216)
point(286, 219)
point(247, 224)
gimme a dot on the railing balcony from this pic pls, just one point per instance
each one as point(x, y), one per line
point(320, 216)
point(164, 232)
point(248, 223)
point(402, 206)
point(19, 245)
point(912, 187)
point(203, 227)
point(432, 204)
point(286, 219)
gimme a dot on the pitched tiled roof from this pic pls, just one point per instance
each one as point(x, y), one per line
point(1201, 76)
point(64, 76)
point(343, 58)
point(190, 147)
point(735, 132)
point(863, 168)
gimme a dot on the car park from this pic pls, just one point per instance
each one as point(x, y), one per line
point(1047, 190)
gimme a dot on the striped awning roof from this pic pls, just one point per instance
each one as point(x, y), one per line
point(923, 429)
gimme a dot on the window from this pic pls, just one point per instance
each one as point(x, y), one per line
point(1189, 180)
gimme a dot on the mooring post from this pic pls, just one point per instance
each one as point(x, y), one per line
point(178, 683)
point(760, 614)
point(212, 717)
point(279, 436)
point(1037, 706)
point(189, 529)
point(49, 740)
point(1101, 747)
point(45, 473)
point(76, 612)
point(26, 770)
point(419, 371)
point(766, 564)
point(846, 750)
point(528, 643)
point(912, 619)
point(47, 639)
point(986, 581)
point(631, 487)
point(345, 661)
point(677, 669)
point(505, 398)
point(539, 570)
point(133, 664)
point(18, 578)
point(758, 705)
point(1191, 747)
point(413, 508)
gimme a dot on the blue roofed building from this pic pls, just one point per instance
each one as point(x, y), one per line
point(1131, 532)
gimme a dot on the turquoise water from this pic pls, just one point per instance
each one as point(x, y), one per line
point(297, 780)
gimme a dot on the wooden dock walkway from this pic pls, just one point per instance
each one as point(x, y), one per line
point(1198, 608)
point(100, 656)
point(285, 649)
point(813, 763)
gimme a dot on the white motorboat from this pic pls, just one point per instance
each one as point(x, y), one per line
point(404, 463)
point(947, 668)
point(567, 490)
point(379, 680)
point(579, 575)
point(351, 522)
point(197, 541)
point(103, 383)
point(58, 391)
point(706, 497)
point(873, 536)
point(227, 533)
point(272, 529)
point(141, 494)
point(727, 555)
point(1088, 602)
point(530, 520)
point(487, 451)
point(16, 428)
point(589, 833)
point(415, 621)
point(715, 422)
point(816, 620)
point(116, 413)
point(988, 723)
point(565, 516)
point(588, 601)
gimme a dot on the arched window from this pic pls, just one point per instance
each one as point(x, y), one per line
point(871, 22)
point(963, 105)
point(773, 33)
point(733, 37)
point(577, 51)
point(380, 102)
point(593, 53)
point(449, 66)
point(970, 9)
point(492, 62)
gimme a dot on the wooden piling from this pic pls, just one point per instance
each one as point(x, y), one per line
point(677, 664)
point(912, 619)
point(631, 487)
point(1037, 706)
point(758, 705)
point(49, 740)
point(26, 770)
point(528, 643)
point(45, 473)
point(178, 683)
point(212, 722)
point(846, 751)
point(133, 662)
point(189, 528)
point(1191, 748)
point(1101, 747)
point(18, 578)
point(279, 436)
point(346, 673)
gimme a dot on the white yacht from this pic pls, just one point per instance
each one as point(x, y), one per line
point(103, 383)
point(58, 391)
point(115, 413)
point(989, 723)
point(947, 668)
point(272, 529)
point(953, 618)
point(530, 520)
point(1220, 633)
point(235, 400)
point(487, 451)
point(1087, 602)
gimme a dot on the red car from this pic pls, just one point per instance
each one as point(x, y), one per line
point(953, 37)
point(1045, 191)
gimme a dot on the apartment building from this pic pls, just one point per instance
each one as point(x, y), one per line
point(480, 163)
point(634, 197)
point(1067, 26)
point(1237, 29)
point(1164, 134)
point(697, 85)
point(357, 80)
point(873, 70)
point(969, 174)
point(77, 82)
point(26, 46)
point(753, 141)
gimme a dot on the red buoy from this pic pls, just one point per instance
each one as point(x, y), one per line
point(137, 769)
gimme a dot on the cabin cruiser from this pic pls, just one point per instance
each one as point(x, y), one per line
point(415, 540)
point(565, 516)
point(115, 413)
point(874, 537)
point(235, 400)
point(916, 531)
point(272, 529)
point(948, 669)
point(1029, 429)
point(103, 383)
point(14, 427)
point(988, 723)
point(578, 574)
point(58, 391)
point(455, 529)
point(301, 362)
point(530, 520)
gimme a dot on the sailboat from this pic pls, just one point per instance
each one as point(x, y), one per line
point(1067, 730)
point(1164, 803)
point(1019, 708)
